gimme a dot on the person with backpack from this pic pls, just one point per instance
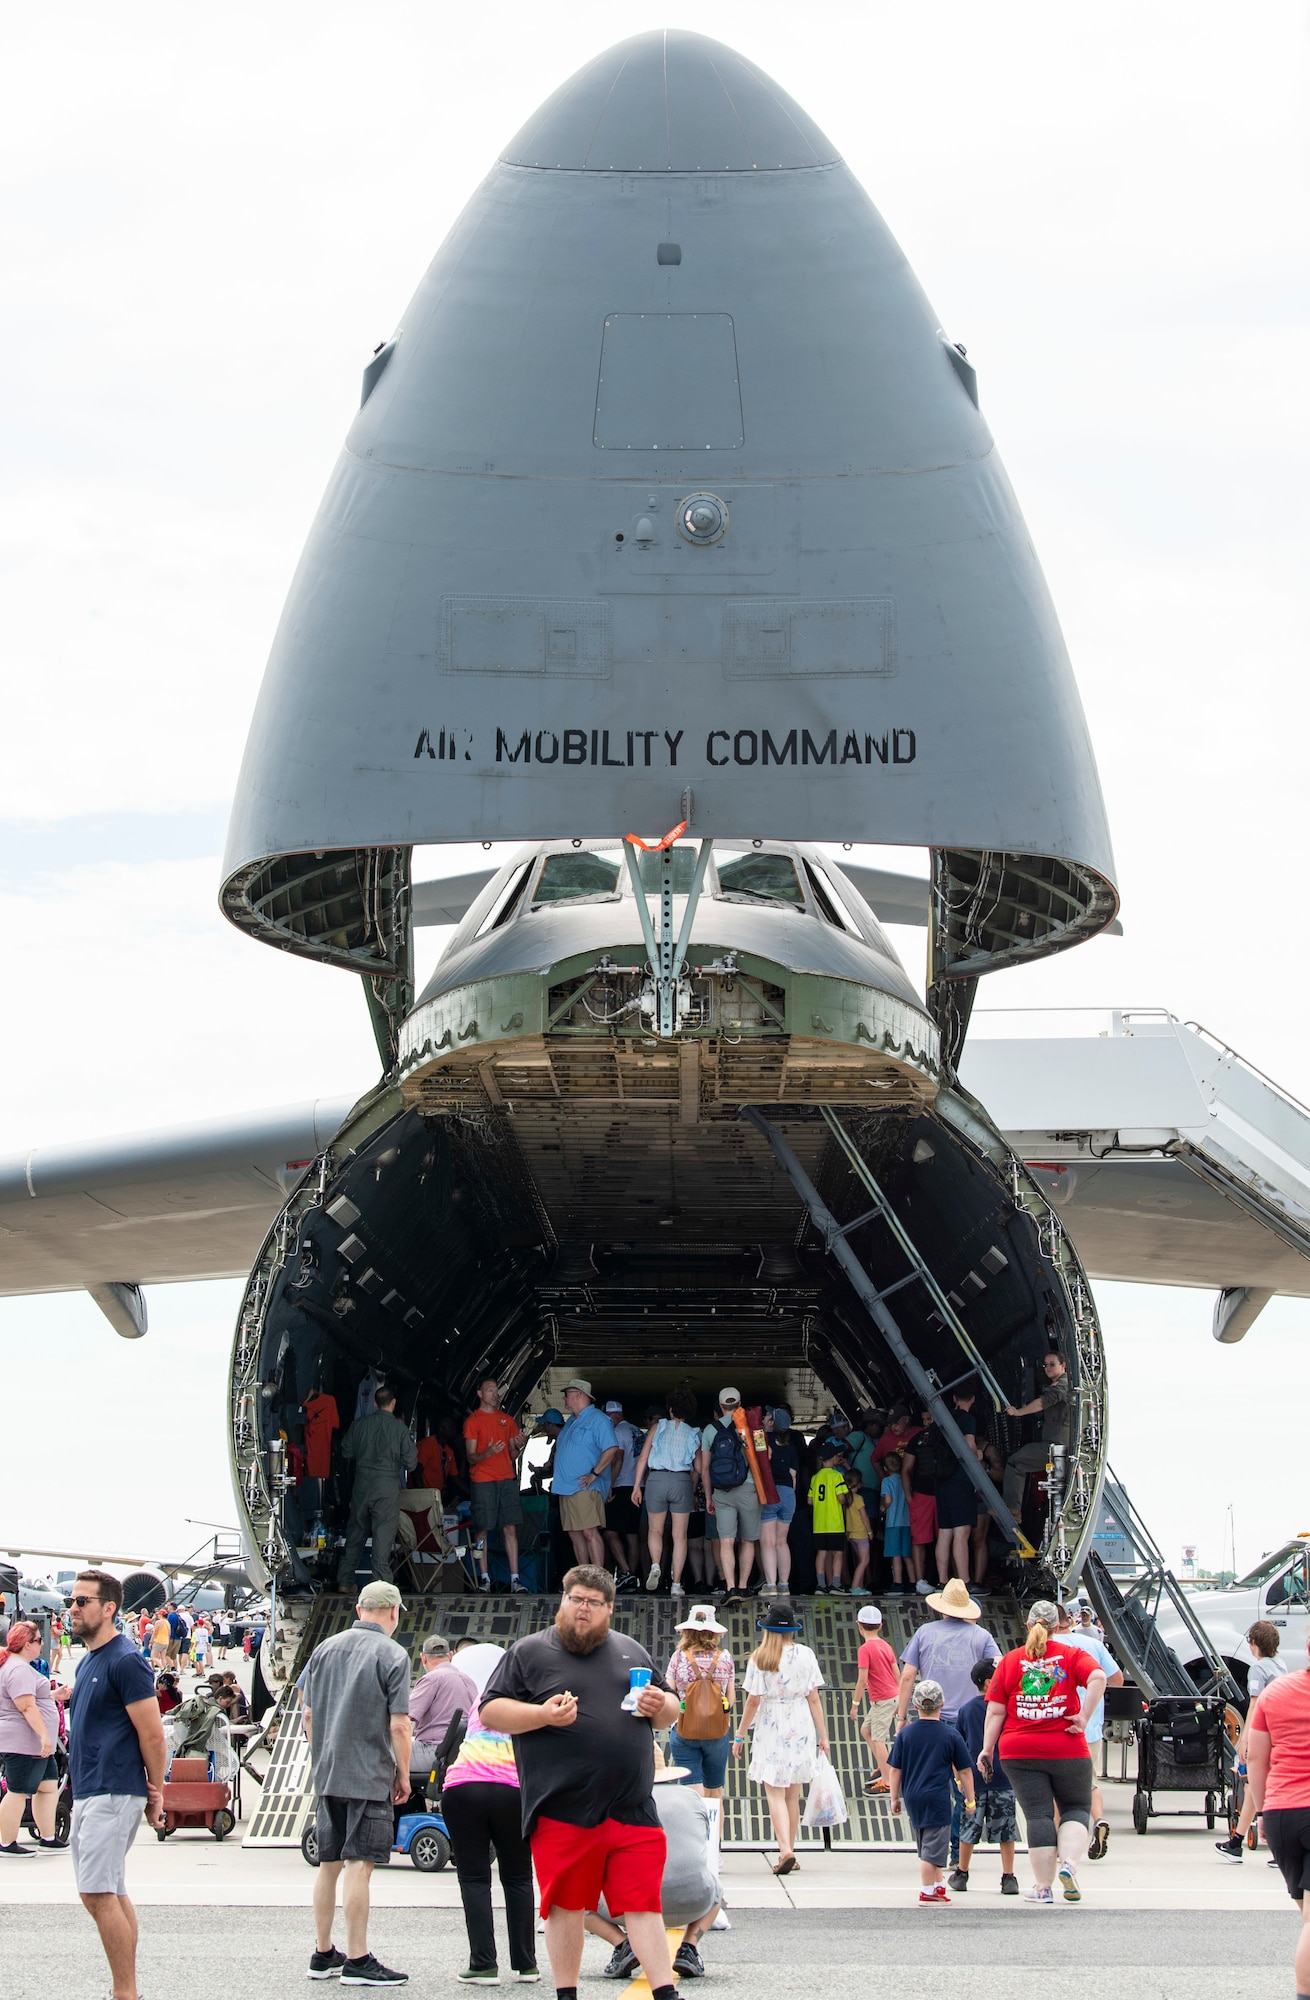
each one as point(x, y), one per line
point(702, 1675)
point(927, 1461)
point(731, 1497)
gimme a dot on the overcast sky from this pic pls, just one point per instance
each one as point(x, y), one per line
point(210, 218)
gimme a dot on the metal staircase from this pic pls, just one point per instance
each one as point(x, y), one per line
point(1130, 1606)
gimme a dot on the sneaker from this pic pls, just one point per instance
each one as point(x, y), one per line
point(1100, 1840)
point(1009, 1885)
point(876, 1788)
point(12, 1847)
point(675, 1590)
point(719, 1591)
point(923, 1587)
point(529, 1976)
point(516, 1589)
point(653, 1577)
point(958, 1879)
point(623, 1962)
point(820, 1590)
point(485, 1586)
point(721, 1923)
point(688, 1961)
point(1069, 1883)
point(858, 1590)
point(1232, 1848)
point(326, 1964)
point(480, 1975)
point(937, 1895)
point(625, 1585)
point(1040, 1894)
point(367, 1971)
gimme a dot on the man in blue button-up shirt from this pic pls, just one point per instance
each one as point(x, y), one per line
point(585, 1455)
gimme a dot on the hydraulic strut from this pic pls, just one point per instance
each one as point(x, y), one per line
point(874, 1302)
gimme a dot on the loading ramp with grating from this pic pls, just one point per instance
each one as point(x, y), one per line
point(830, 1631)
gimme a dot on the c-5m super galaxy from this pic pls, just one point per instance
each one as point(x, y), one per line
point(670, 511)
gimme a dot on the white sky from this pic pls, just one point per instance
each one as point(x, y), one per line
point(210, 219)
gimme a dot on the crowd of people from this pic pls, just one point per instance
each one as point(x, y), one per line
point(743, 1503)
point(558, 1777)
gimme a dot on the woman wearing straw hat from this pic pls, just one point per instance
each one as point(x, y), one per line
point(784, 1706)
point(702, 1663)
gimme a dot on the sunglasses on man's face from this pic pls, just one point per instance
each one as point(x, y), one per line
point(79, 1601)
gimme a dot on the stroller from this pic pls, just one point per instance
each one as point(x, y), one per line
point(201, 1769)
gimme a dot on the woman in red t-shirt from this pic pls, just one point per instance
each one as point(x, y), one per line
point(1278, 1772)
point(1037, 1708)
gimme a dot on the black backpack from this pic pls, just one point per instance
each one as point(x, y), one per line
point(933, 1457)
point(728, 1462)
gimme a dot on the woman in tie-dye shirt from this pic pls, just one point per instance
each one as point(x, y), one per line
point(482, 1809)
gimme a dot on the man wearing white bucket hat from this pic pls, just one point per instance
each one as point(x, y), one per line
point(689, 1893)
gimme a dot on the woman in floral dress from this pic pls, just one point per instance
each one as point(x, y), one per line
point(784, 1707)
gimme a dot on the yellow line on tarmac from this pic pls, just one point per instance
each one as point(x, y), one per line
point(640, 1986)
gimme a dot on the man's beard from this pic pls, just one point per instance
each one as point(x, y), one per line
point(581, 1643)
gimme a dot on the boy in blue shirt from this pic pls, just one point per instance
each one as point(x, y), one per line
point(895, 1518)
point(993, 1815)
point(922, 1760)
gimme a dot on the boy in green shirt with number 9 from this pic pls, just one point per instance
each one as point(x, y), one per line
point(828, 1492)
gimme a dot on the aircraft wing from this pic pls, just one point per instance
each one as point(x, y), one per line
point(1169, 1158)
point(151, 1208)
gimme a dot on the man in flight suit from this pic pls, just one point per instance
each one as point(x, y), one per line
point(383, 1451)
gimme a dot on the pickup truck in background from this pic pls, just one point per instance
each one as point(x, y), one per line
point(1278, 1588)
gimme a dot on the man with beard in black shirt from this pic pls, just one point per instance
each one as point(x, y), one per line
point(586, 1767)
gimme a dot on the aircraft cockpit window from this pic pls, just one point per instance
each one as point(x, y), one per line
point(573, 878)
point(760, 878)
point(652, 871)
point(507, 901)
point(826, 901)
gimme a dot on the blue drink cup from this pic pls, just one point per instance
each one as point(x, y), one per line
point(638, 1678)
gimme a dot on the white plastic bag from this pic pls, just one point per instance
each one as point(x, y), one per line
point(825, 1805)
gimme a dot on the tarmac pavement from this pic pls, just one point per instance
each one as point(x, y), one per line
point(1013, 1953)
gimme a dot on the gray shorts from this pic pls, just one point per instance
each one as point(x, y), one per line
point(496, 1503)
point(104, 1827)
point(736, 1514)
point(933, 1844)
point(667, 1493)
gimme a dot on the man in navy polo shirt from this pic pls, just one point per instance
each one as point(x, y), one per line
point(116, 1758)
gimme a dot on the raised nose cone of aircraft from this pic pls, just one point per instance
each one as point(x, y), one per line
point(669, 500)
point(669, 102)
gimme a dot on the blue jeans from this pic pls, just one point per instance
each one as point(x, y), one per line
point(706, 1761)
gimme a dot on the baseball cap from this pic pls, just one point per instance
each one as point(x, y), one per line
point(868, 1614)
point(729, 1396)
point(612, 1405)
point(552, 1417)
point(577, 1382)
point(435, 1646)
point(840, 1417)
point(380, 1597)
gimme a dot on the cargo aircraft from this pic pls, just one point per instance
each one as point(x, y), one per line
point(670, 545)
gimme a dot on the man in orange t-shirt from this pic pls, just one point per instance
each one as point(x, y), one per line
point(494, 1442)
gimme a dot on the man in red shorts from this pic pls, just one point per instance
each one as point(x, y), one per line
point(586, 1767)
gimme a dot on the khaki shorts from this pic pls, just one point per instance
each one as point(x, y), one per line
point(582, 1510)
point(736, 1512)
point(877, 1724)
